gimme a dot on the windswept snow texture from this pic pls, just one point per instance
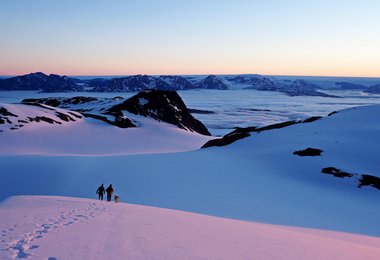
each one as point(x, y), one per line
point(41, 130)
point(71, 228)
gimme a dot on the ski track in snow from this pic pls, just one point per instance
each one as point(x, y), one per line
point(22, 247)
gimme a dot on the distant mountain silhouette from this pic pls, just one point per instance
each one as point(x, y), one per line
point(55, 83)
point(40, 81)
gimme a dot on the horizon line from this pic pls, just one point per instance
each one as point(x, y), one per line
point(201, 74)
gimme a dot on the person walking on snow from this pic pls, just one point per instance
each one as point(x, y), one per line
point(109, 191)
point(100, 191)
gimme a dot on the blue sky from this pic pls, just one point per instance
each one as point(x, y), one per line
point(281, 37)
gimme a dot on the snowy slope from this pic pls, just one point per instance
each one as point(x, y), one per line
point(85, 136)
point(71, 228)
point(257, 178)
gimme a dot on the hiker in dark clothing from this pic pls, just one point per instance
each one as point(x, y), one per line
point(109, 191)
point(100, 191)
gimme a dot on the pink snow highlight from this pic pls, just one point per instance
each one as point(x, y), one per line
point(73, 228)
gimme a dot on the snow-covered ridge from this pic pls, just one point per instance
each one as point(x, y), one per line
point(72, 228)
point(100, 126)
point(166, 106)
point(13, 117)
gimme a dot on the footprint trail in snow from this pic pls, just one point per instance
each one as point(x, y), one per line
point(19, 240)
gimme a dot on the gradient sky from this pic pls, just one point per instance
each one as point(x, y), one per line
point(122, 37)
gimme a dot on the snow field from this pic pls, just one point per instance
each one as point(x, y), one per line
point(73, 228)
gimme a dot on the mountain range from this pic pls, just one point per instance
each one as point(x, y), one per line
point(55, 83)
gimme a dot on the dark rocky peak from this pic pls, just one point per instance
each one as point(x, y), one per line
point(39, 75)
point(39, 81)
point(177, 82)
point(166, 106)
point(212, 82)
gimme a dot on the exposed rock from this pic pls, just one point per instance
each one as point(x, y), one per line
point(121, 122)
point(37, 105)
point(277, 126)
point(43, 119)
point(75, 115)
point(240, 133)
point(309, 152)
point(166, 106)
point(336, 172)
point(199, 111)
point(311, 119)
point(60, 102)
point(5, 112)
point(258, 110)
point(64, 117)
point(230, 138)
point(369, 180)
point(4, 120)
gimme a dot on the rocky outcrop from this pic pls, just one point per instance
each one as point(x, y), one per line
point(166, 106)
point(369, 180)
point(88, 106)
point(240, 133)
point(309, 152)
point(336, 172)
point(10, 120)
point(4, 115)
point(363, 179)
point(60, 102)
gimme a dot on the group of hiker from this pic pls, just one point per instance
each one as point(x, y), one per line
point(101, 191)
